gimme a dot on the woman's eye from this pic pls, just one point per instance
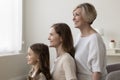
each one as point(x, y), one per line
point(77, 14)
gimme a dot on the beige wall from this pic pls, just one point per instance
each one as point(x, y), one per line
point(113, 59)
point(13, 67)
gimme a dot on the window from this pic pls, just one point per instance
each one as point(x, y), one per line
point(10, 25)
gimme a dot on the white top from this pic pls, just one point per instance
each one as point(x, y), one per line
point(90, 56)
point(64, 68)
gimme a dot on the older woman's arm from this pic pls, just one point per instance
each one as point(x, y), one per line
point(96, 76)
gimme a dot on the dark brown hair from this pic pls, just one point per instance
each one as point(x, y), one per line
point(64, 31)
point(42, 51)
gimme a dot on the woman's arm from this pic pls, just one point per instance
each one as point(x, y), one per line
point(96, 76)
point(97, 57)
point(69, 68)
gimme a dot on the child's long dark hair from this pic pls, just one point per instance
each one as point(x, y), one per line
point(42, 51)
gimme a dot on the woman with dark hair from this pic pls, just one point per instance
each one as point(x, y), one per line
point(38, 57)
point(61, 39)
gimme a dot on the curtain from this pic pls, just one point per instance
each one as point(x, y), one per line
point(10, 25)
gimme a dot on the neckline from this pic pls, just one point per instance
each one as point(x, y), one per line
point(59, 57)
point(88, 36)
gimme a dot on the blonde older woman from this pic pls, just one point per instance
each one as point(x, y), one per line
point(90, 54)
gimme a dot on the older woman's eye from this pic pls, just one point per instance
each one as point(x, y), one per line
point(78, 14)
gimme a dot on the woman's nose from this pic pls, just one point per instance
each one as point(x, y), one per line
point(73, 18)
point(48, 37)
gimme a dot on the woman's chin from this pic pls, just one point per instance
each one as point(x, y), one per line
point(76, 27)
point(51, 46)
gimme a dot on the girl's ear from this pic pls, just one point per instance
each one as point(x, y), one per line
point(37, 57)
point(38, 60)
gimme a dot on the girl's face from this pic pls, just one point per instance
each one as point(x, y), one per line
point(54, 38)
point(78, 18)
point(32, 58)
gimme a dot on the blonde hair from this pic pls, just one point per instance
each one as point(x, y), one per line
point(88, 12)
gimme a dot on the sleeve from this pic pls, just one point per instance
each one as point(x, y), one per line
point(97, 53)
point(69, 68)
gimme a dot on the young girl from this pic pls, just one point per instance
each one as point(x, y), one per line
point(38, 57)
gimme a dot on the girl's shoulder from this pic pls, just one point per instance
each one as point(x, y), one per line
point(41, 76)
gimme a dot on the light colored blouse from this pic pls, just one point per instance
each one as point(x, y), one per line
point(33, 76)
point(90, 56)
point(64, 68)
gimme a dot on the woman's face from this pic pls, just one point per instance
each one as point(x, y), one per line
point(54, 38)
point(32, 58)
point(78, 18)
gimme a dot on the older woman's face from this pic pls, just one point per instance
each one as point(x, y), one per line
point(78, 18)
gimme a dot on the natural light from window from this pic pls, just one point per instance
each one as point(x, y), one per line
point(10, 26)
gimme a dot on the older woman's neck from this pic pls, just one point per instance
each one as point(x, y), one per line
point(87, 30)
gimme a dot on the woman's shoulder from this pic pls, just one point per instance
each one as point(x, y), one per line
point(67, 56)
point(95, 36)
point(96, 39)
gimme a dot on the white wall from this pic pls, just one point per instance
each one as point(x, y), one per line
point(39, 15)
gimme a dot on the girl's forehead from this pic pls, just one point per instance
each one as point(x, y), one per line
point(30, 51)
